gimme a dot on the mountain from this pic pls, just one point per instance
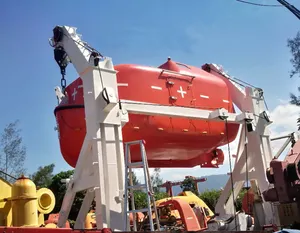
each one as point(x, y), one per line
point(212, 182)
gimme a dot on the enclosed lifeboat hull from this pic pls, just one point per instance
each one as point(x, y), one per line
point(170, 142)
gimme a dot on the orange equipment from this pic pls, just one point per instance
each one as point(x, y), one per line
point(191, 219)
point(53, 219)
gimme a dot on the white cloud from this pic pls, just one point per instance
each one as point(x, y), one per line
point(281, 101)
point(284, 118)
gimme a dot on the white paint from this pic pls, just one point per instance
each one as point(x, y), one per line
point(75, 91)
point(148, 68)
point(74, 94)
point(140, 102)
point(204, 96)
point(181, 91)
point(186, 73)
point(122, 84)
point(155, 87)
point(226, 101)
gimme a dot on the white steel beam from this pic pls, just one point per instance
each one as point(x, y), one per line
point(98, 160)
point(254, 145)
point(182, 112)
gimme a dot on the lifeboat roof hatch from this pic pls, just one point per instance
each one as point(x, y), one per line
point(170, 65)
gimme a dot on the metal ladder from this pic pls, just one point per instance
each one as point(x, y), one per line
point(129, 166)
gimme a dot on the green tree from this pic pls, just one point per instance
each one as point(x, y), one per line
point(188, 184)
point(294, 46)
point(210, 197)
point(59, 189)
point(43, 177)
point(134, 179)
point(140, 197)
point(160, 195)
point(156, 180)
point(239, 199)
point(13, 152)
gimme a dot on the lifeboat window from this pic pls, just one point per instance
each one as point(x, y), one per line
point(183, 65)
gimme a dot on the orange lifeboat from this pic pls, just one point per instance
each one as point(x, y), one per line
point(170, 142)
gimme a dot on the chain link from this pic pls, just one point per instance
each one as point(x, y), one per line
point(63, 84)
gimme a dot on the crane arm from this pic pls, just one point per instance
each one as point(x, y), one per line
point(94, 170)
point(68, 44)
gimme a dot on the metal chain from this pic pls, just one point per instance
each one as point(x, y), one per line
point(63, 84)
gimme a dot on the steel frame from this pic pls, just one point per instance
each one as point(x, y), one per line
point(290, 138)
point(103, 176)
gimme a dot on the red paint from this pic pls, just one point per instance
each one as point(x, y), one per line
point(182, 142)
point(248, 202)
point(285, 176)
point(46, 230)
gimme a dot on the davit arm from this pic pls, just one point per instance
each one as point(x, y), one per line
point(94, 170)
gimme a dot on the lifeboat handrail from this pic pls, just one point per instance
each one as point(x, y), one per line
point(177, 73)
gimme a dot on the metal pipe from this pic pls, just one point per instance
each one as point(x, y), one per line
point(281, 137)
point(279, 152)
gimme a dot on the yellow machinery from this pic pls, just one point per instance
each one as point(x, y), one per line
point(21, 205)
point(46, 203)
point(5, 205)
point(24, 203)
point(90, 221)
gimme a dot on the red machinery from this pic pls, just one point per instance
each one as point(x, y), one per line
point(169, 184)
point(171, 142)
point(285, 178)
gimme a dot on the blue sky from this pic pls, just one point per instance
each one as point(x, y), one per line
point(249, 41)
